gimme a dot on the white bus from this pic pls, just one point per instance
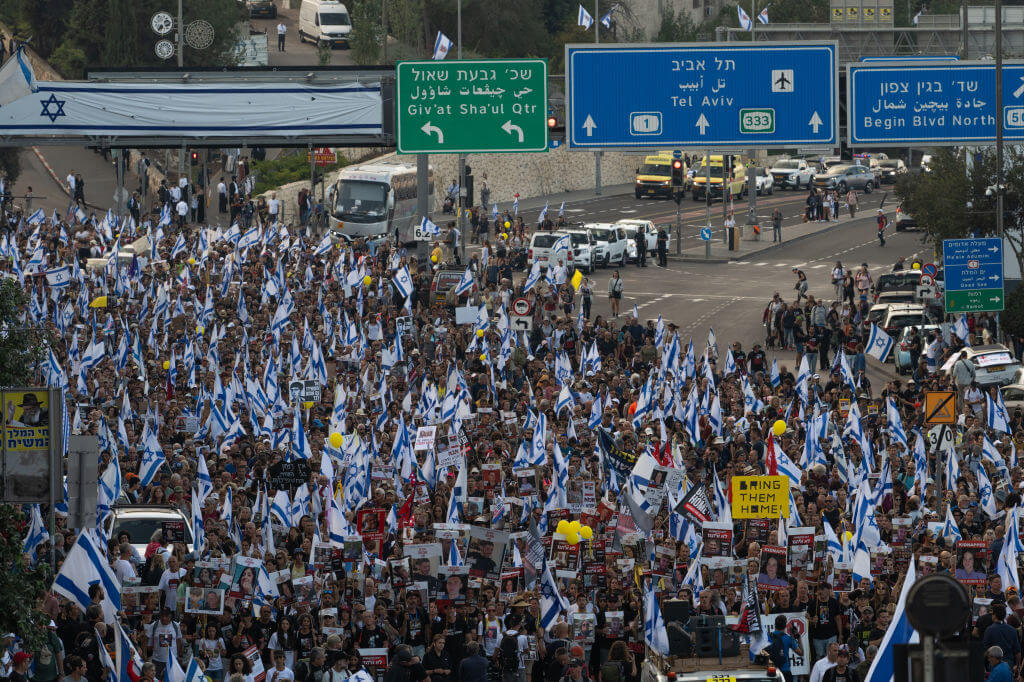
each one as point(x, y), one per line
point(377, 199)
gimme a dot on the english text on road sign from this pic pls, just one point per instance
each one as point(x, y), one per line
point(701, 95)
point(942, 103)
point(473, 105)
point(940, 407)
point(974, 274)
point(760, 497)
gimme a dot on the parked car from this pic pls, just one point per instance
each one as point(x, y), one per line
point(142, 521)
point(631, 225)
point(993, 364)
point(846, 177)
point(889, 170)
point(904, 221)
point(901, 358)
point(445, 279)
point(900, 315)
point(791, 174)
point(582, 248)
point(261, 8)
point(611, 244)
point(765, 183)
point(542, 250)
point(1013, 397)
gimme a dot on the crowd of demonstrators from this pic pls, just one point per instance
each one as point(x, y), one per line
point(463, 499)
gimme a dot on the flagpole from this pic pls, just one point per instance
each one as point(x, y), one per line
point(753, 23)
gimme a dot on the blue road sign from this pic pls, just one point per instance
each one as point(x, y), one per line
point(932, 104)
point(705, 234)
point(708, 96)
point(974, 274)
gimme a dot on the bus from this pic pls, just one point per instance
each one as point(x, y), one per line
point(377, 199)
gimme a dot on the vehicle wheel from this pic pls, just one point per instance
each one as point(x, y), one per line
point(868, 187)
point(771, 189)
point(842, 188)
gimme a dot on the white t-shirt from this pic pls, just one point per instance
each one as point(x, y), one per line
point(182, 208)
point(273, 206)
point(491, 631)
point(819, 669)
point(124, 569)
point(222, 189)
point(281, 29)
point(275, 675)
point(162, 638)
point(213, 647)
point(169, 586)
point(274, 644)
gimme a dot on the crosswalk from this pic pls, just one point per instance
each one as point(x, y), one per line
point(787, 265)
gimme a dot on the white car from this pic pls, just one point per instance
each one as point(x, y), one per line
point(542, 250)
point(582, 248)
point(993, 364)
point(650, 236)
point(610, 244)
point(791, 174)
point(765, 183)
point(142, 521)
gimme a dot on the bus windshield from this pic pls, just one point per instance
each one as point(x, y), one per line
point(360, 201)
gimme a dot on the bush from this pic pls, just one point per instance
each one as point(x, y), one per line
point(69, 60)
point(1012, 317)
point(292, 167)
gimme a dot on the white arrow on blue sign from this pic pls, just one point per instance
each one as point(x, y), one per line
point(705, 234)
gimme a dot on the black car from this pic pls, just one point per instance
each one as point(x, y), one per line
point(261, 8)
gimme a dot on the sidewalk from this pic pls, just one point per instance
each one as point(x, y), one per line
point(695, 250)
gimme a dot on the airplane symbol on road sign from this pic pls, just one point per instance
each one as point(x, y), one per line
point(782, 80)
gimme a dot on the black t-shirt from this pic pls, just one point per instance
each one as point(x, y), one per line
point(823, 618)
point(417, 627)
point(848, 675)
point(372, 639)
point(455, 638)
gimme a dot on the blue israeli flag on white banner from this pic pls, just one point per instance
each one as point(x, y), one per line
point(17, 78)
point(745, 23)
point(37, 217)
point(879, 343)
point(37, 534)
point(465, 284)
point(442, 45)
point(402, 281)
point(153, 459)
point(428, 227)
point(606, 21)
point(85, 564)
point(551, 602)
point(59, 278)
point(961, 329)
point(584, 19)
point(655, 633)
point(900, 631)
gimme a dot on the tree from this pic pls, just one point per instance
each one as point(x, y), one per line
point(120, 36)
point(680, 28)
point(21, 348)
point(369, 35)
point(10, 163)
point(20, 584)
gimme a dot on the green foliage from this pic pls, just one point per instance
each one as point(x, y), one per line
point(69, 60)
point(680, 28)
point(323, 54)
point(368, 33)
point(10, 163)
point(271, 174)
point(120, 44)
point(20, 585)
point(1012, 318)
point(20, 349)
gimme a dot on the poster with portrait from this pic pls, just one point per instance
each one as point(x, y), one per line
point(244, 573)
point(304, 590)
point(486, 553)
point(927, 564)
point(373, 527)
point(208, 573)
point(26, 434)
point(565, 556)
point(399, 570)
point(138, 600)
point(453, 583)
point(758, 530)
point(424, 562)
point(717, 540)
point(259, 673)
point(583, 627)
point(490, 474)
point(843, 578)
point(511, 582)
point(323, 556)
point(208, 600)
point(971, 562)
point(527, 480)
point(615, 623)
point(375, 661)
point(283, 580)
point(902, 542)
point(772, 569)
point(882, 562)
point(801, 550)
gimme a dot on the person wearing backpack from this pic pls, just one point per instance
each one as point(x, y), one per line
point(508, 654)
point(780, 643)
point(620, 666)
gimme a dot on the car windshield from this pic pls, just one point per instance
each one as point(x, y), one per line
point(140, 530)
point(889, 164)
point(788, 165)
point(838, 170)
point(656, 169)
point(1013, 393)
point(579, 239)
point(361, 201)
point(905, 320)
point(334, 19)
point(898, 282)
point(600, 235)
point(876, 315)
point(544, 241)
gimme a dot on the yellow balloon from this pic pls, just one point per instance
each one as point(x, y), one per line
point(504, 235)
point(336, 440)
point(586, 532)
point(367, 281)
point(480, 333)
point(562, 527)
point(433, 259)
point(779, 427)
point(573, 539)
point(915, 266)
point(575, 526)
point(307, 405)
point(191, 261)
point(167, 364)
point(483, 357)
point(507, 224)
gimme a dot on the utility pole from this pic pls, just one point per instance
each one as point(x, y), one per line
point(1000, 190)
point(963, 28)
point(180, 38)
point(597, 154)
point(707, 201)
point(462, 161)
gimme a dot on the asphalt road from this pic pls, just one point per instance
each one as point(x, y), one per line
point(295, 53)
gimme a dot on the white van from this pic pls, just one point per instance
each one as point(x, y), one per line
point(325, 22)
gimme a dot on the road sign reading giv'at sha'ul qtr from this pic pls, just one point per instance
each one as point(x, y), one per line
point(472, 105)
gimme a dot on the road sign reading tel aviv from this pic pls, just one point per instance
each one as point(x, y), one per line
point(943, 104)
point(974, 274)
point(705, 95)
point(473, 105)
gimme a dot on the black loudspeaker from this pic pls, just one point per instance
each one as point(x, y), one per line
point(707, 641)
point(679, 641)
point(675, 611)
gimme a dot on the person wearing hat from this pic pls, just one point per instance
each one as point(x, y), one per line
point(841, 671)
point(999, 670)
point(32, 412)
point(882, 222)
point(20, 663)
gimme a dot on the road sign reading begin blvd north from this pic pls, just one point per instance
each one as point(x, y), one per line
point(952, 103)
point(706, 96)
point(474, 105)
point(974, 275)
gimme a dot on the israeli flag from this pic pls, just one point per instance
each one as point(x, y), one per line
point(85, 564)
point(900, 631)
point(427, 226)
point(961, 329)
point(561, 245)
point(561, 210)
point(402, 281)
point(465, 284)
point(17, 78)
point(324, 246)
point(655, 633)
point(998, 419)
point(879, 343)
point(584, 19)
point(745, 23)
point(59, 278)
point(763, 16)
point(442, 45)
point(543, 213)
point(37, 534)
point(606, 21)
point(36, 217)
point(153, 458)
point(551, 602)
point(515, 200)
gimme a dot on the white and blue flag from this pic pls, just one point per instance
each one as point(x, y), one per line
point(584, 19)
point(442, 45)
point(879, 343)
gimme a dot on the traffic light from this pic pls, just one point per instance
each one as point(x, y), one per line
point(552, 122)
point(677, 172)
point(195, 158)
